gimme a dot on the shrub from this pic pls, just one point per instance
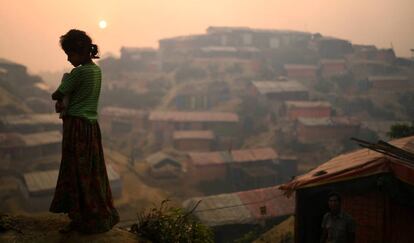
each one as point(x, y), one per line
point(401, 130)
point(171, 224)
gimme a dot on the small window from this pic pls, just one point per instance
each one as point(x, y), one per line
point(263, 210)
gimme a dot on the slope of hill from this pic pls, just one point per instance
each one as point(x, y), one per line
point(45, 228)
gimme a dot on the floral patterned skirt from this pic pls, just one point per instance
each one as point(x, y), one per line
point(82, 189)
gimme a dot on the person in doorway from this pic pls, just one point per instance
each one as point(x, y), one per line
point(337, 225)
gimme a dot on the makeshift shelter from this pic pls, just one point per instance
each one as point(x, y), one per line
point(377, 189)
point(39, 187)
point(194, 140)
point(162, 165)
point(233, 214)
point(240, 169)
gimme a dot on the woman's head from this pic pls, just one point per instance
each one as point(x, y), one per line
point(78, 46)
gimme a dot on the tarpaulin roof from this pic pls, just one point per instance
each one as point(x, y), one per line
point(267, 87)
point(38, 182)
point(13, 140)
point(157, 158)
point(246, 207)
point(300, 66)
point(123, 112)
point(193, 134)
point(41, 138)
point(387, 78)
point(332, 61)
point(31, 119)
point(329, 121)
point(360, 163)
point(307, 104)
point(187, 116)
point(233, 156)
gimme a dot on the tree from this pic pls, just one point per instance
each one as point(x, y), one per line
point(401, 130)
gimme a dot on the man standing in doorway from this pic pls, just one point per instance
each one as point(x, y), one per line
point(337, 225)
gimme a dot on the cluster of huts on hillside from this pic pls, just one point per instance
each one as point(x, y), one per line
point(221, 171)
point(30, 151)
point(238, 49)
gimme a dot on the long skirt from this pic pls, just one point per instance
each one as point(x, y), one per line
point(82, 189)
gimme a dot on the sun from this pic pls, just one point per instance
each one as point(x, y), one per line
point(102, 24)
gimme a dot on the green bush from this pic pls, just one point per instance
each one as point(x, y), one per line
point(166, 224)
point(401, 130)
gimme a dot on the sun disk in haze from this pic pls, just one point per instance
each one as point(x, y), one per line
point(102, 24)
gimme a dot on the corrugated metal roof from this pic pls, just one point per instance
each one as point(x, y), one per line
point(183, 38)
point(356, 62)
point(258, 171)
point(41, 138)
point(300, 66)
point(208, 158)
point(257, 154)
point(138, 49)
point(122, 112)
point(329, 121)
point(31, 119)
point(45, 181)
point(208, 135)
point(307, 104)
point(350, 165)
point(41, 181)
point(156, 158)
point(241, 207)
point(219, 49)
point(332, 61)
point(387, 78)
point(234, 156)
point(220, 209)
point(276, 203)
point(267, 87)
point(225, 29)
point(112, 174)
point(177, 116)
point(9, 140)
point(228, 60)
point(43, 86)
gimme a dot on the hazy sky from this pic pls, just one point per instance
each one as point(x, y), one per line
point(30, 29)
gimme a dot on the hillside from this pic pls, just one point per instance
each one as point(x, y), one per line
point(45, 228)
point(22, 92)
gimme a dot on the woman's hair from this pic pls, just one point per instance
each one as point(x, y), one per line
point(79, 42)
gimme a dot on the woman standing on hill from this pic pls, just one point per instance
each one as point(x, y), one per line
point(82, 189)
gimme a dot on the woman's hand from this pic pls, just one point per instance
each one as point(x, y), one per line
point(59, 106)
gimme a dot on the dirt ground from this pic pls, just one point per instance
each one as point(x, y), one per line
point(45, 228)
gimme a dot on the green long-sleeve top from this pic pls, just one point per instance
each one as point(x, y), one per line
point(83, 84)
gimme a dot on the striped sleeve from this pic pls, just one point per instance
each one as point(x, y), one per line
point(70, 82)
